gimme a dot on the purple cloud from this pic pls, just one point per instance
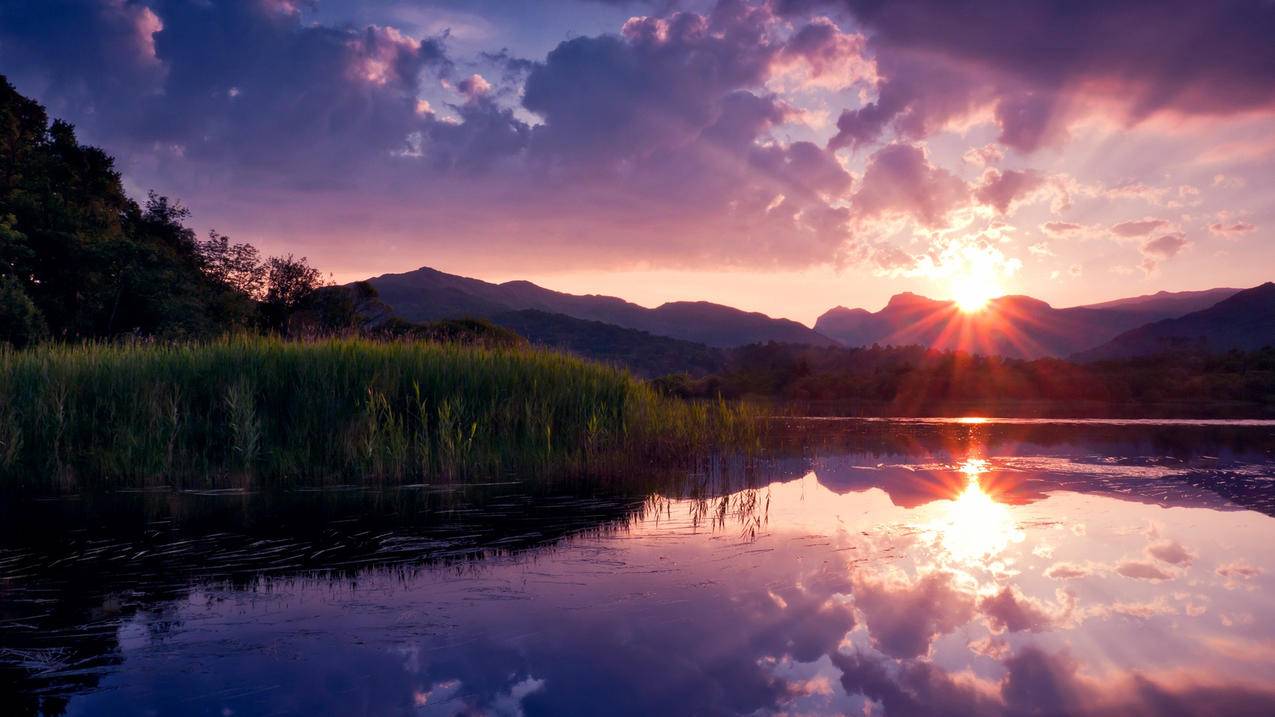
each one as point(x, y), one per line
point(900, 180)
point(1001, 189)
point(904, 618)
point(1011, 610)
point(1232, 229)
point(1171, 552)
point(1139, 227)
point(1031, 60)
point(1143, 570)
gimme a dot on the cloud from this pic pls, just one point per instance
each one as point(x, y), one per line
point(473, 86)
point(913, 688)
point(1171, 552)
point(1010, 610)
point(676, 138)
point(665, 129)
point(820, 54)
point(983, 156)
point(1231, 229)
point(1143, 570)
point(1165, 247)
point(915, 98)
point(1040, 65)
point(1038, 682)
point(1067, 571)
point(1235, 571)
point(1225, 182)
point(1161, 249)
point(1061, 228)
point(1139, 227)
point(1003, 189)
point(904, 617)
point(900, 180)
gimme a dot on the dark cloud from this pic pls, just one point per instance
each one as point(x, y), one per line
point(1038, 683)
point(915, 97)
point(1010, 610)
point(653, 88)
point(664, 128)
point(914, 689)
point(826, 50)
point(485, 135)
point(1032, 61)
point(904, 617)
point(227, 91)
point(667, 128)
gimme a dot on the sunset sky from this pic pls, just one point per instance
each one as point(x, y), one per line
point(784, 156)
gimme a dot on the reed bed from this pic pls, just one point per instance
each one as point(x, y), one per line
point(264, 411)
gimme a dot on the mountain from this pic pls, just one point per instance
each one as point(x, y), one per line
point(429, 295)
point(1245, 321)
point(644, 354)
point(1013, 326)
point(1175, 303)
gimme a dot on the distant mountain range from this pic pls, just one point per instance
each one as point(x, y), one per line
point(645, 354)
point(1013, 326)
point(1244, 321)
point(428, 295)
point(695, 337)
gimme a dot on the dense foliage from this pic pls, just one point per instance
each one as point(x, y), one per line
point(80, 259)
point(267, 410)
point(912, 380)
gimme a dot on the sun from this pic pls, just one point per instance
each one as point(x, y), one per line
point(971, 293)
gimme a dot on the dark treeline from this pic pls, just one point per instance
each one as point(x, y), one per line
point(80, 259)
point(912, 380)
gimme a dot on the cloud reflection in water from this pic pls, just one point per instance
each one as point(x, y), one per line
point(975, 584)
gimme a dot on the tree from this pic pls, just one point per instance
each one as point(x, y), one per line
point(20, 321)
point(90, 259)
point(290, 284)
point(237, 266)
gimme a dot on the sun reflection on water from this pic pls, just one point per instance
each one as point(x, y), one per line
point(974, 528)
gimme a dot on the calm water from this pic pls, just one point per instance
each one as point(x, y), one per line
point(909, 568)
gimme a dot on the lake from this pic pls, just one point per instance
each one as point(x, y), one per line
point(962, 567)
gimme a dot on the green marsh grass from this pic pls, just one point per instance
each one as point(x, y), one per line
point(263, 411)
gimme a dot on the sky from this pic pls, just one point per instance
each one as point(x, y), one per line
point(783, 156)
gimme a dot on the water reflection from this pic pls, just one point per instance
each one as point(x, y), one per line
point(974, 527)
point(913, 574)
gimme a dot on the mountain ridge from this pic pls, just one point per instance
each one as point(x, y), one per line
point(1244, 321)
point(428, 294)
point(1016, 326)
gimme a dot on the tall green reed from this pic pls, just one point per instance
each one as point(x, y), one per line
point(272, 412)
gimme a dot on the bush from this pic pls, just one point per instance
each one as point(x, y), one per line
point(21, 323)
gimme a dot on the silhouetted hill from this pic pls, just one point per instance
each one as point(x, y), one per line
point(1245, 322)
point(1173, 303)
point(643, 353)
point(1012, 326)
point(428, 295)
